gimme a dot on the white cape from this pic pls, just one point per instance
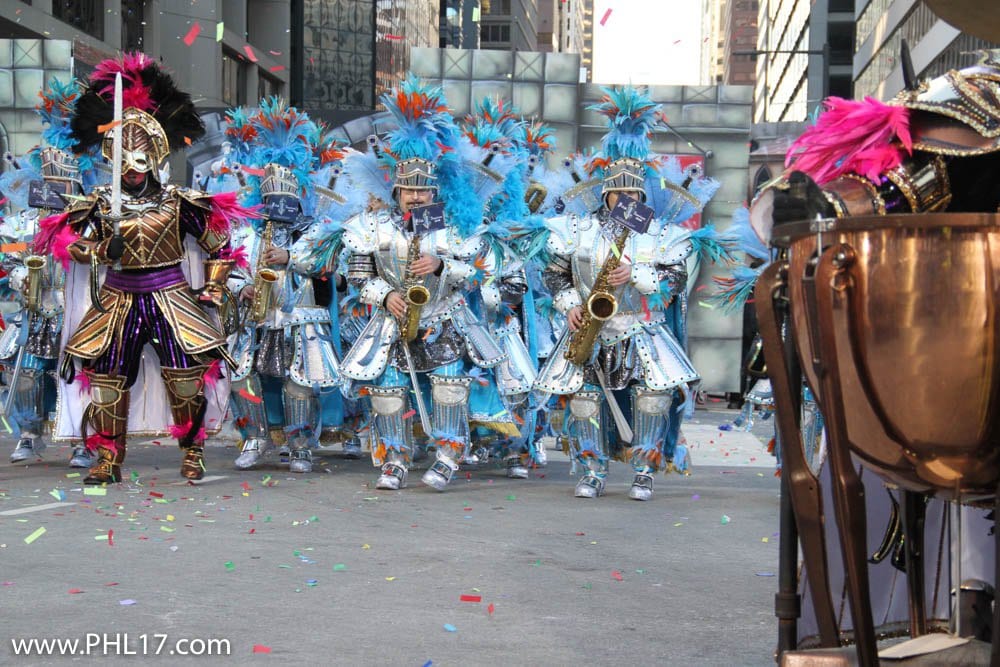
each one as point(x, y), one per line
point(149, 410)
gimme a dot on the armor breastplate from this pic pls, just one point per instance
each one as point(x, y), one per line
point(151, 231)
point(593, 249)
point(392, 248)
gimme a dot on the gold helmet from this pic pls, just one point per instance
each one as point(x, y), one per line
point(144, 143)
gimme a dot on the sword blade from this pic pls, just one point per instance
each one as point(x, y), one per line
point(116, 151)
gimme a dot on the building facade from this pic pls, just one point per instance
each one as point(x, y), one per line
point(509, 25)
point(935, 45)
point(737, 32)
point(805, 49)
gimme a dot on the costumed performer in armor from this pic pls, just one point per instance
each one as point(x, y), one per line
point(136, 229)
point(622, 290)
point(415, 270)
point(52, 177)
point(284, 334)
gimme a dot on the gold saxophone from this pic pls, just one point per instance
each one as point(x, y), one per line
point(264, 279)
point(33, 282)
point(601, 306)
point(415, 294)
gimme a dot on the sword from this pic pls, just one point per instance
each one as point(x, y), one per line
point(116, 193)
point(425, 418)
point(624, 430)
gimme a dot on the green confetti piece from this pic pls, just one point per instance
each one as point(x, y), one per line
point(587, 586)
point(101, 537)
point(704, 304)
point(230, 566)
point(285, 567)
point(339, 566)
point(57, 494)
point(267, 519)
point(35, 535)
point(219, 28)
point(10, 430)
point(725, 519)
point(135, 476)
point(538, 562)
point(512, 497)
point(313, 519)
point(95, 491)
point(640, 572)
point(296, 553)
point(166, 529)
point(71, 475)
point(615, 250)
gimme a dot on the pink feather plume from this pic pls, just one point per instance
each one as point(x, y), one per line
point(84, 379)
point(48, 227)
point(239, 256)
point(180, 432)
point(63, 239)
point(101, 441)
point(865, 138)
point(134, 92)
point(226, 211)
point(213, 373)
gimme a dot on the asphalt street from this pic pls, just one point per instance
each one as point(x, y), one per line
point(324, 569)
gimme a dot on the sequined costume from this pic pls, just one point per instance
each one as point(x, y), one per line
point(419, 161)
point(286, 334)
point(41, 182)
point(146, 298)
point(638, 359)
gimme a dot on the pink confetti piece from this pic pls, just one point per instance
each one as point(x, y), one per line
point(470, 598)
point(615, 574)
point(75, 591)
point(409, 413)
point(111, 537)
point(192, 34)
point(490, 609)
point(276, 68)
point(260, 648)
point(250, 54)
point(604, 19)
point(397, 38)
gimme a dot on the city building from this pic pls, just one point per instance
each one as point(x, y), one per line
point(561, 25)
point(587, 54)
point(737, 32)
point(399, 26)
point(459, 24)
point(804, 54)
point(936, 46)
point(508, 25)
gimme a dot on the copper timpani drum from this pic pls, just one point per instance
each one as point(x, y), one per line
point(895, 324)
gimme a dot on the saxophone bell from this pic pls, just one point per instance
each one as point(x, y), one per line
point(417, 296)
point(263, 294)
point(602, 306)
point(33, 281)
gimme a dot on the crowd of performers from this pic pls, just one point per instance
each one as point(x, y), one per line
point(444, 293)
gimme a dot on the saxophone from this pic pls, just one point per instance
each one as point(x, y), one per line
point(415, 294)
point(264, 279)
point(33, 282)
point(601, 306)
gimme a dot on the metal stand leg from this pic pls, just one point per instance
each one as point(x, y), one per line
point(914, 511)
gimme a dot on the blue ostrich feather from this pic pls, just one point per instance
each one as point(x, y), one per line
point(14, 185)
point(239, 134)
point(424, 125)
point(463, 208)
point(733, 291)
point(58, 102)
point(284, 136)
point(741, 236)
point(631, 116)
point(367, 175)
point(707, 245)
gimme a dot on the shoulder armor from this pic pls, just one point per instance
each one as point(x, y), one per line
point(360, 233)
point(564, 234)
point(193, 197)
point(673, 244)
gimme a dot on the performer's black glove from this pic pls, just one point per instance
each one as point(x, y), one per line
point(116, 248)
point(802, 200)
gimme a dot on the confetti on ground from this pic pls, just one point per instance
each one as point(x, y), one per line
point(490, 609)
point(192, 34)
point(75, 591)
point(604, 19)
point(763, 539)
point(725, 519)
point(35, 535)
point(678, 524)
point(339, 567)
point(71, 475)
point(260, 648)
point(450, 628)
point(764, 574)
point(511, 497)
point(58, 494)
point(230, 566)
point(695, 497)
point(470, 598)
point(366, 546)
point(390, 578)
point(126, 603)
point(617, 576)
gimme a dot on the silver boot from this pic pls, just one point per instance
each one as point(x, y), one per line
point(589, 486)
point(588, 446)
point(27, 448)
point(642, 487)
point(516, 468)
point(253, 451)
point(352, 449)
point(302, 421)
point(255, 429)
point(81, 457)
point(440, 472)
point(393, 477)
point(301, 460)
point(451, 425)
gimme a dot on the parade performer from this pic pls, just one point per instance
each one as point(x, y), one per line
point(284, 334)
point(136, 229)
point(42, 182)
point(415, 270)
point(620, 279)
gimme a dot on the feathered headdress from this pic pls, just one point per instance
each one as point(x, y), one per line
point(866, 138)
point(631, 115)
point(145, 87)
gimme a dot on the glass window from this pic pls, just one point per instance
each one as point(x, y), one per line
point(85, 15)
point(234, 80)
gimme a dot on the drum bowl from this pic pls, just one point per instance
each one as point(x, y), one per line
point(911, 342)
